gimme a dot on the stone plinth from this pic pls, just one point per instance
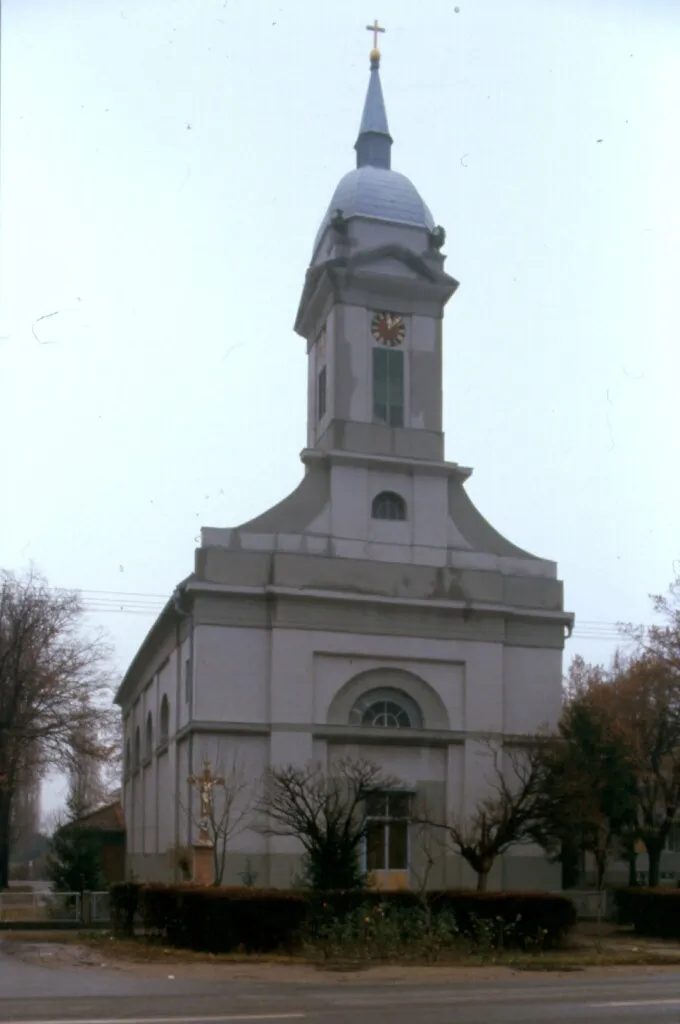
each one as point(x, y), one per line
point(202, 872)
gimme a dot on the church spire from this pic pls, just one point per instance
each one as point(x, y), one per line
point(374, 143)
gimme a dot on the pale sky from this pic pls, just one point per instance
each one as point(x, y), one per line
point(165, 165)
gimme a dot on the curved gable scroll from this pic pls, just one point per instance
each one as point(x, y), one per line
point(433, 714)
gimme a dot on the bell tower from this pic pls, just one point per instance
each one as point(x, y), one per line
point(372, 306)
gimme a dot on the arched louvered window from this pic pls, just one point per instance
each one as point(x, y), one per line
point(388, 505)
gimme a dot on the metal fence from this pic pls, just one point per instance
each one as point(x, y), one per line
point(44, 907)
point(99, 907)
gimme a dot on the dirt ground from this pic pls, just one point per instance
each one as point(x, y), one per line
point(590, 950)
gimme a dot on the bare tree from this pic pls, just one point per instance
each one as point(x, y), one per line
point(55, 693)
point(226, 811)
point(646, 701)
point(645, 706)
point(428, 846)
point(505, 817)
point(93, 781)
point(326, 813)
point(662, 640)
point(588, 801)
point(25, 819)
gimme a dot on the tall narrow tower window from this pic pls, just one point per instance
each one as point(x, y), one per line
point(321, 394)
point(388, 386)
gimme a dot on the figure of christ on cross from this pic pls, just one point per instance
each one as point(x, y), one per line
point(205, 784)
point(375, 29)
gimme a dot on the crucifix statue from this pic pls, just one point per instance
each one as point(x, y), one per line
point(375, 29)
point(205, 783)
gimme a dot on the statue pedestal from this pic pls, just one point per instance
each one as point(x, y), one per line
point(202, 872)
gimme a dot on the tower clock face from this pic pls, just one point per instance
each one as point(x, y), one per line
point(388, 329)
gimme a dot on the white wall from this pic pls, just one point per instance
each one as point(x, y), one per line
point(232, 682)
point(408, 765)
point(231, 672)
point(166, 797)
point(241, 761)
point(331, 671)
point(533, 689)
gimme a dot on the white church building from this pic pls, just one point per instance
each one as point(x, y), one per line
point(373, 612)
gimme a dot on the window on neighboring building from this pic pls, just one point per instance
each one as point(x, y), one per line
point(388, 386)
point(388, 505)
point(137, 750)
point(164, 720)
point(148, 746)
point(321, 393)
point(387, 831)
point(386, 709)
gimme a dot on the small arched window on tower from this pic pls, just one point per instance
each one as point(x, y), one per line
point(164, 723)
point(388, 505)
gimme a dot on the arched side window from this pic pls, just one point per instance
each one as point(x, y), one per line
point(164, 720)
point(388, 505)
point(148, 745)
point(386, 709)
point(137, 750)
point(128, 757)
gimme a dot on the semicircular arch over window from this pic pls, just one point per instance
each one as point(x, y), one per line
point(386, 708)
point(419, 699)
point(388, 505)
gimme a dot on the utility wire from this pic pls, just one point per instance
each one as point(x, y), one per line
point(132, 603)
point(115, 597)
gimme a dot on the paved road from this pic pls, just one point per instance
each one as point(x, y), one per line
point(32, 993)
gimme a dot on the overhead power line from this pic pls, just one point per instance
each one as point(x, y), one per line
point(128, 602)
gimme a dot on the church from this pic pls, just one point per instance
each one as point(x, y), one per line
point(373, 613)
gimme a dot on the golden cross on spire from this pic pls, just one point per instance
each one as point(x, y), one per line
point(375, 29)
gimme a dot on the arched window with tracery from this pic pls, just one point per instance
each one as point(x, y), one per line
point(388, 505)
point(386, 709)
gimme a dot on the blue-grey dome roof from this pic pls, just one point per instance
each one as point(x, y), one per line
point(379, 193)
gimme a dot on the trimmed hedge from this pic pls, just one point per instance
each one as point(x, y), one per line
point(222, 919)
point(124, 906)
point(216, 919)
point(652, 912)
point(521, 916)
